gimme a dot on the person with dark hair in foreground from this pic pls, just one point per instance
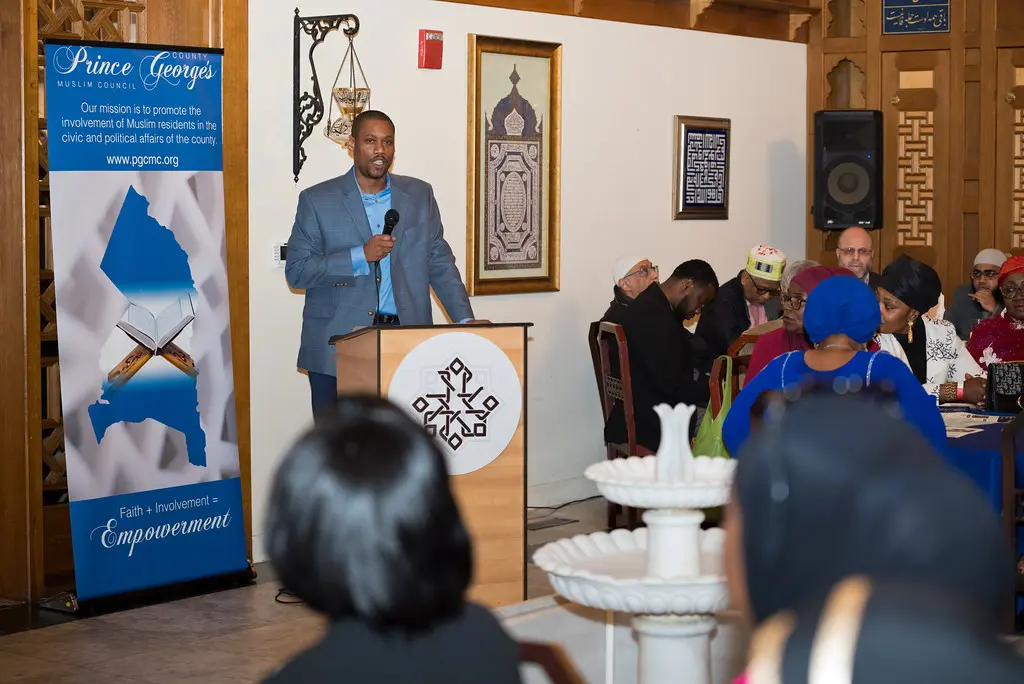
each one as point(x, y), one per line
point(362, 526)
point(869, 632)
point(661, 350)
point(811, 506)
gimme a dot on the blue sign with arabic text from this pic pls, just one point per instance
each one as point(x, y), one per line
point(900, 17)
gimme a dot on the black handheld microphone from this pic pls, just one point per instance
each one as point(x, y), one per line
point(390, 221)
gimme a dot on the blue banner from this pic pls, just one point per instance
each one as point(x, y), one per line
point(137, 208)
point(900, 17)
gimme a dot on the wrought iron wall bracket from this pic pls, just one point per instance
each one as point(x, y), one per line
point(307, 107)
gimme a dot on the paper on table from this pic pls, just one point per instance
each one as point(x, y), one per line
point(967, 420)
point(956, 432)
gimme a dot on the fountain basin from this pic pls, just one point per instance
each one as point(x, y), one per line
point(609, 571)
point(633, 482)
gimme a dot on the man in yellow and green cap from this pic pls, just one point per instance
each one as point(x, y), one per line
point(749, 299)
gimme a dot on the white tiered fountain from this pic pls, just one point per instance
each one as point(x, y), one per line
point(669, 575)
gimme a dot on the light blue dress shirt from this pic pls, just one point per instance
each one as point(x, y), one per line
point(376, 205)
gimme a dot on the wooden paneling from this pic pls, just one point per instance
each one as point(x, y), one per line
point(916, 149)
point(946, 193)
point(235, 41)
point(182, 22)
point(1009, 200)
point(772, 19)
point(18, 571)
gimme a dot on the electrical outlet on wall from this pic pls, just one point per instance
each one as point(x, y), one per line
point(280, 253)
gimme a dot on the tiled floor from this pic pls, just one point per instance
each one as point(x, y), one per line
point(232, 636)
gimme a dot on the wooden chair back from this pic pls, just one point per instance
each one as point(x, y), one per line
point(595, 358)
point(740, 352)
point(739, 371)
point(552, 659)
point(615, 380)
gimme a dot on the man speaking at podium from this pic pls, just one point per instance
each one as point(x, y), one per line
point(367, 246)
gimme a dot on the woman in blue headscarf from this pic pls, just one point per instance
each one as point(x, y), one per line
point(840, 318)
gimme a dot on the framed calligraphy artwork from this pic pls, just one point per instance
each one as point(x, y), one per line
point(901, 17)
point(513, 187)
point(700, 185)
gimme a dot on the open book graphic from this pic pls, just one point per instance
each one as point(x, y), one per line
point(156, 332)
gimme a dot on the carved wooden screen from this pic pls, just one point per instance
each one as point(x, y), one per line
point(915, 103)
point(1010, 151)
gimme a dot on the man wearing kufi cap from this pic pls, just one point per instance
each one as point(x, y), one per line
point(749, 299)
point(979, 299)
point(631, 275)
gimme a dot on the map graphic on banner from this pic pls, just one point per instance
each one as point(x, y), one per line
point(139, 265)
point(142, 260)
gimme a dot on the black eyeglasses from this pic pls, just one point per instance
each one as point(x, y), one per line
point(991, 275)
point(792, 301)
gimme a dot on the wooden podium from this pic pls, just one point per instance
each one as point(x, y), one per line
point(467, 398)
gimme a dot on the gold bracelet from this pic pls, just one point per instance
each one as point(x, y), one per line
point(947, 393)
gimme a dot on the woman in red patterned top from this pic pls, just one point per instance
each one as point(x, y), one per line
point(1001, 338)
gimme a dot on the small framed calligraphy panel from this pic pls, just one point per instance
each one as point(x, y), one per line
point(902, 17)
point(513, 187)
point(700, 185)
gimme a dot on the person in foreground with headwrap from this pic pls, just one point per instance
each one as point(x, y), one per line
point(750, 299)
point(909, 289)
point(839, 485)
point(1001, 339)
point(840, 317)
point(869, 632)
point(791, 336)
point(979, 299)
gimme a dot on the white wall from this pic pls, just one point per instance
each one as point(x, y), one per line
point(622, 84)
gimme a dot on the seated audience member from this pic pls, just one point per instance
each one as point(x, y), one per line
point(840, 317)
point(749, 299)
point(791, 336)
point(855, 253)
point(979, 299)
point(868, 632)
point(938, 358)
point(631, 276)
point(811, 506)
point(362, 526)
point(661, 352)
point(1001, 338)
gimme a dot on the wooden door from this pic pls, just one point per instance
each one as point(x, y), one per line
point(1009, 205)
point(915, 103)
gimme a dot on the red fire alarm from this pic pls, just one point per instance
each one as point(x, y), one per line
point(431, 49)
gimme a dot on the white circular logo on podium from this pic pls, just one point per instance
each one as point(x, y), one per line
point(465, 392)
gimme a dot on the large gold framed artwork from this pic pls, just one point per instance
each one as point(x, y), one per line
point(513, 189)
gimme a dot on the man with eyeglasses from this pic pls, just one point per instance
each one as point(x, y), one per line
point(855, 253)
point(979, 299)
point(748, 300)
point(631, 275)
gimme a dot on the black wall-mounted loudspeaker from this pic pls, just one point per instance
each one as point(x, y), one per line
point(848, 169)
